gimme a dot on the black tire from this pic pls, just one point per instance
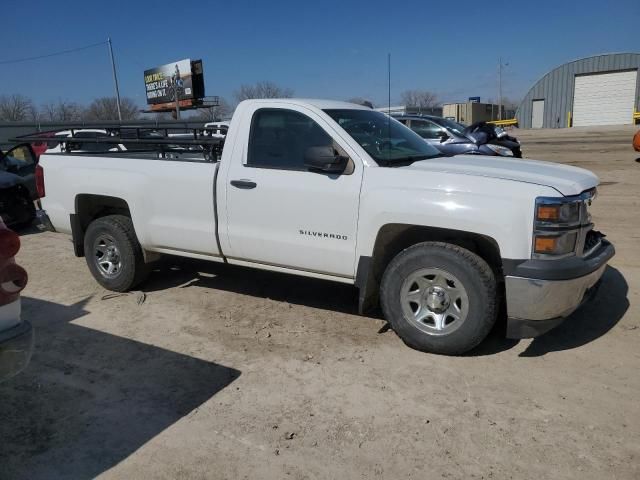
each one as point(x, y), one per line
point(133, 269)
point(473, 273)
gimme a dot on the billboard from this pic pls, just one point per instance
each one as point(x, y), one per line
point(184, 78)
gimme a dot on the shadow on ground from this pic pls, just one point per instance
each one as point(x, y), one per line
point(89, 399)
point(594, 319)
point(27, 230)
point(173, 272)
point(591, 321)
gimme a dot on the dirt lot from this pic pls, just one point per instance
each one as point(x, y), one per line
point(228, 373)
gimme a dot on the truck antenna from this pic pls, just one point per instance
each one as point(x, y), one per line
point(389, 83)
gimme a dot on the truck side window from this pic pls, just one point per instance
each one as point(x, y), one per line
point(279, 139)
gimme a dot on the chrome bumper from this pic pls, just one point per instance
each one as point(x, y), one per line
point(533, 299)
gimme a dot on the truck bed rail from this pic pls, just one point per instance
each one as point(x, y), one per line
point(136, 138)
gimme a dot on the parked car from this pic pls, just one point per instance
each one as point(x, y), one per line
point(16, 334)
point(453, 138)
point(18, 185)
point(340, 192)
point(216, 128)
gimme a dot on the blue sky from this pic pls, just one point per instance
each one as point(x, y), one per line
point(327, 49)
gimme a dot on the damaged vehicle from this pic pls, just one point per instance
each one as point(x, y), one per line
point(453, 138)
point(18, 186)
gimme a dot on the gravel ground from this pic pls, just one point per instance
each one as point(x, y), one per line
point(220, 372)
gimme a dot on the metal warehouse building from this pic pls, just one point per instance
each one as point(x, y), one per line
point(599, 90)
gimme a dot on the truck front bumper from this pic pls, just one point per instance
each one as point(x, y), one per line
point(16, 346)
point(540, 301)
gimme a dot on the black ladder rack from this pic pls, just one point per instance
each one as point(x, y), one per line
point(160, 138)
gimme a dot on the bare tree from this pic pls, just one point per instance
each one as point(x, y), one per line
point(361, 101)
point(420, 99)
point(215, 114)
point(106, 108)
point(61, 111)
point(163, 116)
point(264, 89)
point(16, 108)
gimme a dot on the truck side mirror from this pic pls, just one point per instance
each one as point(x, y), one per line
point(324, 159)
point(443, 135)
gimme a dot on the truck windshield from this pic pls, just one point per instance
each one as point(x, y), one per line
point(384, 138)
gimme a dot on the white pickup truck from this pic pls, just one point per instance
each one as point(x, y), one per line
point(340, 192)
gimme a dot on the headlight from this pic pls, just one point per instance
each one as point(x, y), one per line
point(560, 225)
point(502, 151)
point(549, 211)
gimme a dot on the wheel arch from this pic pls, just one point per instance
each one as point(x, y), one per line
point(88, 207)
point(393, 238)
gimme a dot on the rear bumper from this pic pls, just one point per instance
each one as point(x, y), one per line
point(16, 346)
point(536, 305)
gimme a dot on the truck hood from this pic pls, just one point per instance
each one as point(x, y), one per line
point(565, 179)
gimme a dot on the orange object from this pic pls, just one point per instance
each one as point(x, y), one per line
point(636, 141)
point(545, 244)
point(548, 212)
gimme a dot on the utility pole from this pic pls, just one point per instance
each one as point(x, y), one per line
point(175, 95)
point(500, 65)
point(500, 88)
point(389, 83)
point(115, 78)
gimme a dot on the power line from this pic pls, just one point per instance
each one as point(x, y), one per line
point(63, 52)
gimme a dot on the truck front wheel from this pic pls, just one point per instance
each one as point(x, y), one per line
point(113, 253)
point(439, 297)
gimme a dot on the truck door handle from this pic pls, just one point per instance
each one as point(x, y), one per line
point(246, 184)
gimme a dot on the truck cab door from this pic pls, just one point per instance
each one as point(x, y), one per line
point(281, 213)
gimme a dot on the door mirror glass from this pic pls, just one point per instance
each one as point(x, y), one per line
point(324, 159)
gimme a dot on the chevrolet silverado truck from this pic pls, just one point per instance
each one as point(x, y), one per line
point(336, 191)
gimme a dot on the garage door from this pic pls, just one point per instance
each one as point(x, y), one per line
point(604, 98)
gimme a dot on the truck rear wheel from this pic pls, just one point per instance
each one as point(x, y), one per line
point(439, 298)
point(113, 253)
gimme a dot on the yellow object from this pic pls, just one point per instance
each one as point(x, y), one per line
point(505, 123)
point(545, 244)
point(568, 119)
point(549, 213)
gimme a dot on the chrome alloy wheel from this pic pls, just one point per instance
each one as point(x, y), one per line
point(434, 301)
point(107, 255)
